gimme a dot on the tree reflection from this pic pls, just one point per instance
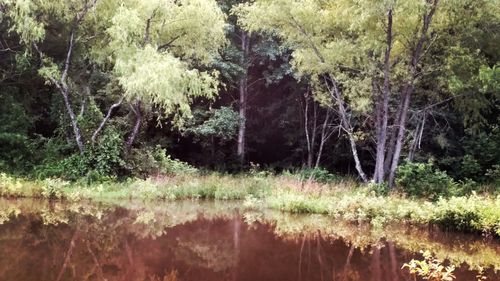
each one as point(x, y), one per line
point(206, 241)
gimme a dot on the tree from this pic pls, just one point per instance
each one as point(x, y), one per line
point(208, 127)
point(316, 130)
point(363, 57)
point(242, 62)
point(153, 49)
point(26, 21)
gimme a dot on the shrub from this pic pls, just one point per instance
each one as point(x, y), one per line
point(53, 188)
point(98, 162)
point(379, 188)
point(472, 214)
point(421, 180)
point(146, 161)
point(493, 175)
point(16, 187)
point(319, 174)
point(299, 203)
point(9, 186)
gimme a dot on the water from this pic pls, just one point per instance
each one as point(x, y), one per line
point(192, 240)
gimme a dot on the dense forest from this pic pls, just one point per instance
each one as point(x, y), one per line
point(371, 89)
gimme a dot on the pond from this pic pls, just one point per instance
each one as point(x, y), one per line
point(196, 240)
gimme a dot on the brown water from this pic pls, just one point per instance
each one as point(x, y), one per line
point(215, 241)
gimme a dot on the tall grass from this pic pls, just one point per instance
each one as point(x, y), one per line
point(343, 198)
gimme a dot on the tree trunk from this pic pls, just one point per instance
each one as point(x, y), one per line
point(106, 118)
point(348, 128)
point(392, 139)
point(337, 96)
point(383, 108)
point(74, 122)
point(400, 135)
point(408, 89)
point(236, 244)
point(306, 131)
point(67, 257)
point(136, 108)
point(243, 89)
point(314, 133)
point(417, 137)
point(324, 138)
point(61, 84)
point(310, 135)
point(394, 262)
point(376, 271)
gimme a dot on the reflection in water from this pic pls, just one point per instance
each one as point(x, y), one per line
point(212, 241)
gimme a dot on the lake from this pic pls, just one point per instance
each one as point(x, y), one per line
point(200, 240)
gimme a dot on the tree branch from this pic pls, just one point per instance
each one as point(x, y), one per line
point(106, 118)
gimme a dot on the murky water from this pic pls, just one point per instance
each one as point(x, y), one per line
point(168, 241)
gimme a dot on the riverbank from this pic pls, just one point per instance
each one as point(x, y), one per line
point(344, 199)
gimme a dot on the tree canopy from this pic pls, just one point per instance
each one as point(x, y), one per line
point(356, 87)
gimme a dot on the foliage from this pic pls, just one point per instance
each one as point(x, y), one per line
point(154, 61)
point(98, 162)
point(221, 123)
point(299, 203)
point(16, 153)
point(53, 188)
point(146, 62)
point(421, 180)
point(379, 188)
point(318, 174)
point(494, 174)
point(430, 268)
point(469, 214)
point(147, 161)
point(15, 187)
point(480, 214)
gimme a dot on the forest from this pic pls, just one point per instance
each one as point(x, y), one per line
point(177, 140)
point(396, 97)
point(98, 87)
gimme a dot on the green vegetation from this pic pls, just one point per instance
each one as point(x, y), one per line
point(342, 199)
point(105, 89)
point(430, 268)
point(376, 111)
point(370, 121)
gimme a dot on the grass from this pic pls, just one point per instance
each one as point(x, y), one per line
point(343, 199)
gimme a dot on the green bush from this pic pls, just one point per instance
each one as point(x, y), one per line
point(16, 151)
point(53, 188)
point(147, 161)
point(473, 214)
point(317, 174)
point(299, 203)
point(493, 175)
point(16, 187)
point(421, 180)
point(98, 162)
point(379, 188)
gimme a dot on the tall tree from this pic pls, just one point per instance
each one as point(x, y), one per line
point(154, 49)
point(364, 56)
point(26, 21)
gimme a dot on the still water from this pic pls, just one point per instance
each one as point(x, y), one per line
point(192, 240)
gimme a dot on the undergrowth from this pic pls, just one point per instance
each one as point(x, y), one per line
point(343, 199)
